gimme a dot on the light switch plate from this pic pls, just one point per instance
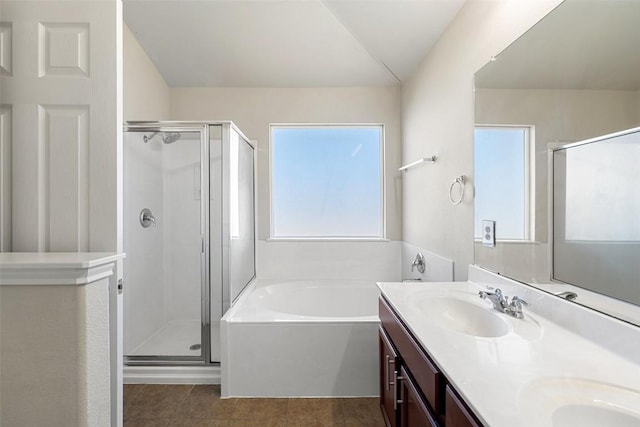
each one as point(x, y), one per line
point(488, 233)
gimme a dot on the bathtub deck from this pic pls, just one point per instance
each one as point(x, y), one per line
point(188, 405)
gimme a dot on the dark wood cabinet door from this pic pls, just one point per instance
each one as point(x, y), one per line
point(389, 365)
point(426, 375)
point(457, 413)
point(413, 409)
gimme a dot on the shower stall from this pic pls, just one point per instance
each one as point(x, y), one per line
point(189, 237)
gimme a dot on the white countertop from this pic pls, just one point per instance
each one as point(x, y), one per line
point(55, 268)
point(538, 374)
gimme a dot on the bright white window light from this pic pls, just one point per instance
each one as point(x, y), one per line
point(502, 169)
point(327, 181)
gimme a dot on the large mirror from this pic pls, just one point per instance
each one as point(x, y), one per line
point(573, 77)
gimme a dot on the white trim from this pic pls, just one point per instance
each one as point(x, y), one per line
point(172, 374)
point(509, 241)
point(598, 138)
point(22, 268)
point(326, 239)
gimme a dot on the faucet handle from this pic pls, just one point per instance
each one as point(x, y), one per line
point(517, 300)
point(491, 291)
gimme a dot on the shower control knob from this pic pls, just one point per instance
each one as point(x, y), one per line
point(146, 218)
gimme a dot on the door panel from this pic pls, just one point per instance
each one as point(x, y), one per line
point(164, 205)
point(59, 71)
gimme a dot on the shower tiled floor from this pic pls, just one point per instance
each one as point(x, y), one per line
point(159, 405)
point(174, 339)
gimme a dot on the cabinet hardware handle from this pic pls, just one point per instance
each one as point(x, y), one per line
point(389, 362)
point(397, 401)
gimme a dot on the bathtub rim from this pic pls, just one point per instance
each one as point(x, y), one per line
point(277, 316)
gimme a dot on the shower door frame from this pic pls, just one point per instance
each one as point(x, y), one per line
point(205, 307)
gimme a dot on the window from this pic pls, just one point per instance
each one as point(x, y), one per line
point(327, 181)
point(502, 169)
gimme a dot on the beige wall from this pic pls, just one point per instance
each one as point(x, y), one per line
point(437, 118)
point(254, 109)
point(146, 95)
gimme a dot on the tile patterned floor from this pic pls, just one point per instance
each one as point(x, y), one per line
point(157, 405)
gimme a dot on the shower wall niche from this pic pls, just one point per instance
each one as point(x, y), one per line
point(189, 227)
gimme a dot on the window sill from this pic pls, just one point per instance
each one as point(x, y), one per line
point(327, 239)
point(511, 242)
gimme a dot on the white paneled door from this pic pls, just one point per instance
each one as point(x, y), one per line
point(61, 137)
point(59, 125)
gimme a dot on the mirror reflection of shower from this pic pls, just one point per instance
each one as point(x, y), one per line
point(167, 137)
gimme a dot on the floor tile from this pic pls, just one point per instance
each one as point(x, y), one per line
point(363, 422)
point(156, 401)
point(265, 422)
point(146, 423)
point(129, 391)
point(201, 405)
point(318, 422)
point(260, 409)
point(154, 405)
point(195, 422)
point(362, 411)
point(315, 412)
point(205, 390)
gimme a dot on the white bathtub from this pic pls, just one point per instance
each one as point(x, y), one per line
point(303, 338)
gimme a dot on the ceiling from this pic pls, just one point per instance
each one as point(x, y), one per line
point(288, 43)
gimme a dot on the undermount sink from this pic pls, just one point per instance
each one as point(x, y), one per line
point(581, 402)
point(463, 316)
point(466, 313)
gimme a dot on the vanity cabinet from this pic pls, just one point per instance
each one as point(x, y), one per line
point(414, 410)
point(388, 376)
point(457, 413)
point(413, 391)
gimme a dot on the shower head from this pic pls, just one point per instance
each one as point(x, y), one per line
point(167, 138)
point(170, 137)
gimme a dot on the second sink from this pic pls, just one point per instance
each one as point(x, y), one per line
point(572, 402)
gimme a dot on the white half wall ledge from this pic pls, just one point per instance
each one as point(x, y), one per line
point(71, 321)
point(59, 268)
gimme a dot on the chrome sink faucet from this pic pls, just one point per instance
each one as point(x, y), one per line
point(501, 302)
point(496, 297)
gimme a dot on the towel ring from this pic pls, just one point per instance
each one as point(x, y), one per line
point(460, 181)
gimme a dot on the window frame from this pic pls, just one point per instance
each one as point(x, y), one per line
point(383, 197)
point(529, 178)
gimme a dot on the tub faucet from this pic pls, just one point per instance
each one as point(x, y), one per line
point(418, 263)
point(501, 302)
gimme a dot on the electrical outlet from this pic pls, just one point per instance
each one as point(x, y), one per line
point(488, 233)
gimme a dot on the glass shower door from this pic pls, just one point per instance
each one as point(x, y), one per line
point(166, 264)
